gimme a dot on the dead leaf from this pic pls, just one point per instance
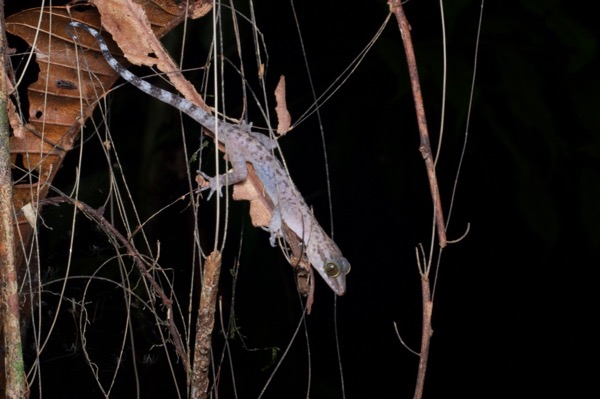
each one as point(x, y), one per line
point(199, 8)
point(128, 24)
point(252, 190)
point(283, 116)
point(63, 85)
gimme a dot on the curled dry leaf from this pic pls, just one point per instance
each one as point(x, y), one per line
point(64, 94)
point(131, 29)
point(252, 190)
point(199, 8)
point(283, 115)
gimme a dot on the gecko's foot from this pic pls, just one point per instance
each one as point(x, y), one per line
point(212, 185)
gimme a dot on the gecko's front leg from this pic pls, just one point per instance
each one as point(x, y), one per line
point(237, 174)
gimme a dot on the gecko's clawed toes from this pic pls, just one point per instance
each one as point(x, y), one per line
point(206, 182)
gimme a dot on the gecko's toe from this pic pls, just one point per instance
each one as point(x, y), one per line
point(204, 181)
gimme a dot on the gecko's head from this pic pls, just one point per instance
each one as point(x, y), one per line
point(334, 273)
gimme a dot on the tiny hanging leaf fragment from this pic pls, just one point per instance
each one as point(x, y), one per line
point(283, 116)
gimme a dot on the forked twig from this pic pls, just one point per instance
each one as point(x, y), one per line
point(426, 328)
point(425, 149)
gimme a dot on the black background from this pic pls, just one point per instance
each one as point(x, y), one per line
point(514, 313)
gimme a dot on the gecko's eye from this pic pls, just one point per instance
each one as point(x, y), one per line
point(331, 269)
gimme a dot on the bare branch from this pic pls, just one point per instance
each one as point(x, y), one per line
point(425, 147)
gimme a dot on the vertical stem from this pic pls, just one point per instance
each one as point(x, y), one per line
point(425, 147)
point(426, 333)
point(15, 383)
point(204, 326)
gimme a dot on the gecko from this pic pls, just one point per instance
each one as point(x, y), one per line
point(243, 145)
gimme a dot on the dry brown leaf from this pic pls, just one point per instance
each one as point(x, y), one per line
point(200, 8)
point(283, 116)
point(130, 29)
point(59, 101)
point(252, 190)
point(128, 24)
point(65, 93)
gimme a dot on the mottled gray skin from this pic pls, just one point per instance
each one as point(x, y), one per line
point(241, 146)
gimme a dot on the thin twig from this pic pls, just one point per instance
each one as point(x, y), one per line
point(426, 333)
point(425, 146)
point(408, 348)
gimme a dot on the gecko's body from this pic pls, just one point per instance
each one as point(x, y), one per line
point(241, 146)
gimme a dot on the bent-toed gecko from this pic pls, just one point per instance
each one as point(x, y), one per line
point(243, 145)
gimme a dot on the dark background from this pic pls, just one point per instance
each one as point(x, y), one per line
point(514, 313)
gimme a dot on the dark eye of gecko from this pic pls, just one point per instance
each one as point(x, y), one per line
point(331, 269)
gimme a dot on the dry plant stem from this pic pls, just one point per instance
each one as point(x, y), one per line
point(204, 326)
point(425, 147)
point(426, 333)
point(168, 303)
point(14, 371)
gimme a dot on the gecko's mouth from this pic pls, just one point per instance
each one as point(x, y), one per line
point(338, 285)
